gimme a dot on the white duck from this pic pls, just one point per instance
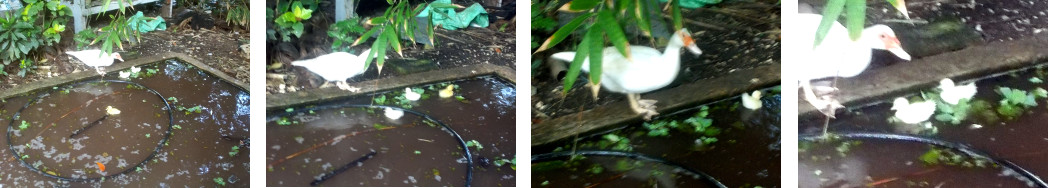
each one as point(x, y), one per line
point(953, 93)
point(411, 95)
point(752, 102)
point(393, 114)
point(837, 55)
point(912, 113)
point(336, 67)
point(96, 58)
point(649, 70)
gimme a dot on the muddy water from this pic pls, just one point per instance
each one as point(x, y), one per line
point(1021, 141)
point(746, 154)
point(410, 151)
point(621, 172)
point(196, 154)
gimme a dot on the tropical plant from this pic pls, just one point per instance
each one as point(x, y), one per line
point(18, 37)
point(113, 34)
point(290, 20)
point(52, 16)
point(605, 21)
point(25, 66)
point(396, 23)
point(345, 32)
point(39, 23)
point(84, 38)
point(237, 12)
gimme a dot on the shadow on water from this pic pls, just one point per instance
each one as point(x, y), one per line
point(210, 117)
point(1021, 141)
point(409, 151)
point(746, 152)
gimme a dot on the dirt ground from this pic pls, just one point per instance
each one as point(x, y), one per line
point(458, 48)
point(216, 46)
point(732, 35)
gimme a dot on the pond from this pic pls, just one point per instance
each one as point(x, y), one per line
point(736, 146)
point(1005, 132)
point(310, 144)
point(72, 134)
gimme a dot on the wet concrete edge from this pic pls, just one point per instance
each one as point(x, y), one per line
point(117, 67)
point(669, 100)
point(313, 96)
point(961, 66)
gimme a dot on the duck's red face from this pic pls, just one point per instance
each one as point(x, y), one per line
point(892, 44)
point(689, 42)
point(890, 41)
point(117, 57)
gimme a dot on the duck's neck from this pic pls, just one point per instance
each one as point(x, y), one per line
point(671, 55)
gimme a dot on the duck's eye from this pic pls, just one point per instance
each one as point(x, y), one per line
point(884, 36)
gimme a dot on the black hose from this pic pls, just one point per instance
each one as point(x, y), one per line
point(636, 156)
point(342, 169)
point(465, 149)
point(964, 148)
point(82, 129)
point(167, 134)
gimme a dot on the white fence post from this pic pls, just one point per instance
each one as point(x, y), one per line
point(79, 16)
point(344, 9)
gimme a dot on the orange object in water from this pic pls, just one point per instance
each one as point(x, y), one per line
point(101, 166)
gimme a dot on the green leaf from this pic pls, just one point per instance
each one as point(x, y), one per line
point(856, 17)
point(643, 21)
point(391, 36)
point(611, 26)
point(830, 13)
point(580, 5)
point(678, 22)
point(563, 32)
point(576, 64)
point(365, 36)
point(931, 157)
point(596, 52)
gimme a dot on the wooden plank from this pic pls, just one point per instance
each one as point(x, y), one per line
point(669, 100)
point(284, 100)
point(82, 75)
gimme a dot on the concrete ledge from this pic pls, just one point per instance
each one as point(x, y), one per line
point(284, 100)
point(116, 67)
point(670, 100)
point(962, 65)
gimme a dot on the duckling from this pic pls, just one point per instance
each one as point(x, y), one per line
point(393, 114)
point(112, 111)
point(752, 102)
point(953, 94)
point(912, 113)
point(411, 95)
point(447, 92)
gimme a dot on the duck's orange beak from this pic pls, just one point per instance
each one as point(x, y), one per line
point(690, 43)
point(892, 44)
